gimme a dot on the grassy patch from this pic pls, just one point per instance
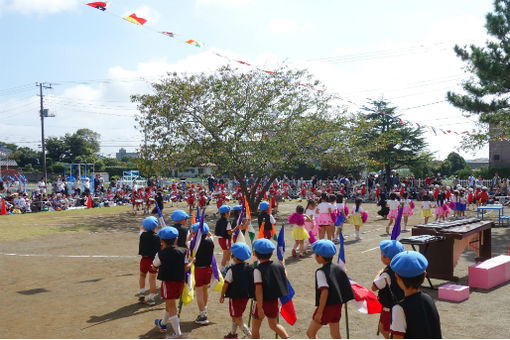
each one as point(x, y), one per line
point(15, 227)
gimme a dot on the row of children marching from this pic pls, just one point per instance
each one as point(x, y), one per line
point(407, 312)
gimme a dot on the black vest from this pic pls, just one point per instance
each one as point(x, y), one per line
point(242, 285)
point(205, 252)
point(339, 290)
point(149, 244)
point(264, 217)
point(274, 280)
point(391, 294)
point(221, 228)
point(183, 234)
point(422, 317)
point(172, 264)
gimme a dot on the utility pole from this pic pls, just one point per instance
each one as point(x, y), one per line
point(43, 113)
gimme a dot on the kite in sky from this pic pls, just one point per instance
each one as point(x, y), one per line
point(135, 20)
point(101, 5)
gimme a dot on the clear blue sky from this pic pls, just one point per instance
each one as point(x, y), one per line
point(401, 50)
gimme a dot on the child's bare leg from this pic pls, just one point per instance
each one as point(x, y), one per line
point(302, 247)
point(330, 229)
point(322, 231)
point(152, 282)
point(275, 326)
point(314, 327)
point(255, 328)
point(225, 258)
point(426, 220)
point(334, 330)
point(142, 280)
point(201, 299)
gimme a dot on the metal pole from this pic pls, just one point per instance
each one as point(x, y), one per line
point(346, 321)
point(41, 113)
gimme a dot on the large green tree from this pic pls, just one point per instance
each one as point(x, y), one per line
point(487, 91)
point(244, 123)
point(392, 144)
point(83, 144)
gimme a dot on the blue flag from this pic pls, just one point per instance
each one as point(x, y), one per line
point(161, 219)
point(280, 246)
point(341, 253)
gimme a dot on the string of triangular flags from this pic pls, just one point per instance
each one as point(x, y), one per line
point(133, 18)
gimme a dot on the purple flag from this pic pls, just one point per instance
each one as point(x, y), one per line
point(396, 228)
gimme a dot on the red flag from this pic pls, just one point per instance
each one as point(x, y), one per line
point(4, 208)
point(365, 301)
point(101, 5)
point(89, 202)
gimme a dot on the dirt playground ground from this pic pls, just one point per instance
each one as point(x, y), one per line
point(74, 274)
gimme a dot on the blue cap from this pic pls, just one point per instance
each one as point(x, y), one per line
point(238, 208)
point(241, 251)
point(263, 206)
point(409, 264)
point(195, 226)
point(179, 215)
point(263, 246)
point(168, 233)
point(150, 223)
point(390, 248)
point(224, 208)
point(324, 248)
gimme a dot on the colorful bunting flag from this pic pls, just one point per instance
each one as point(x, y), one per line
point(194, 43)
point(169, 34)
point(135, 20)
point(101, 5)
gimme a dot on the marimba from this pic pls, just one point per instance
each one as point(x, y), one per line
point(444, 254)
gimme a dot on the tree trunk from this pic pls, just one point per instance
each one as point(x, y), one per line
point(387, 168)
point(251, 198)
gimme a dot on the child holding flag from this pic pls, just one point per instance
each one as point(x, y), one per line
point(416, 315)
point(148, 247)
point(171, 261)
point(266, 220)
point(332, 289)
point(223, 231)
point(203, 270)
point(180, 219)
point(239, 288)
point(270, 284)
point(386, 283)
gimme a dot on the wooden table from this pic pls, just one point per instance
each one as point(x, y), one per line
point(458, 235)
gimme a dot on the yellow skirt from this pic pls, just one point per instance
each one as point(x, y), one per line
point(300, 234)
point(355, 220)
point(426, 213)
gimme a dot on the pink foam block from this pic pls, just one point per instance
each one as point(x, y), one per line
point(451, 292)
point(490, 273)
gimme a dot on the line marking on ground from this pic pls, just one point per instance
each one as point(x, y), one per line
point(366, 251)
point(71, 256)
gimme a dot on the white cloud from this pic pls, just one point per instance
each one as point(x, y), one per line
point(40, 6)
point(285, 25)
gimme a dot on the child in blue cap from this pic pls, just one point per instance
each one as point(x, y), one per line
point(266, 218)
point(223, 231)
point(270, 284)
point(148, 247)
point(385, 282)
point(203, 270)
point(332, 289)
point(171, 261)
point(239, 288)
point(180, 218)
point(416, 315)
